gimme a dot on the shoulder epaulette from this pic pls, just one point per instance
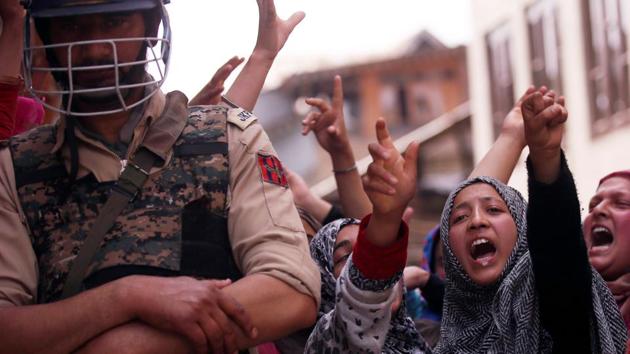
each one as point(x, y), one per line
point(241, 118)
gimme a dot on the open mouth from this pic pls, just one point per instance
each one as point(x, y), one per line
point(482, 251)
point(601, 238)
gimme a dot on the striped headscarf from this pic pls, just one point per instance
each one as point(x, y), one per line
point(504, 317)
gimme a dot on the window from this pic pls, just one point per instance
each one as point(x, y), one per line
point(544, 44)
point(390, 101)
point(607, 63)
point(427, 102)
point(501, 81)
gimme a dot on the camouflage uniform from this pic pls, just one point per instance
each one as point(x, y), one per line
point(218, 207)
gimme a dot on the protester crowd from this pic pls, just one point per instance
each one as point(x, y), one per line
point(134, 221)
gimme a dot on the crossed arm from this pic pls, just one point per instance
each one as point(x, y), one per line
point(147, 314)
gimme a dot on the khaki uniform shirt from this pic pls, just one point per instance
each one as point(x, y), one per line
point(264, 228)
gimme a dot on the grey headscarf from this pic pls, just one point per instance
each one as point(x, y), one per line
point(402, 336)
point(322, 247)
point(504, 317)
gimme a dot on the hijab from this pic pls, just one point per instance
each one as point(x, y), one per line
point(504, 317)
point(402, 336)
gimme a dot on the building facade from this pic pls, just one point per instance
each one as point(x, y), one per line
point(576, 47)
point(409, 89)
point(421, 91)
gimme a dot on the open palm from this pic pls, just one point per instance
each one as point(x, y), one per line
point(273, 32)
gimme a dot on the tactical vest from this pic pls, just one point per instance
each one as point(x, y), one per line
point(176, 226)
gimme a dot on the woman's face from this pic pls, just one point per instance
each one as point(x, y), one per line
point(607, 228)
point(482, 232)
point(346, 238)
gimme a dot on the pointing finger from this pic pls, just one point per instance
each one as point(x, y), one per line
point(382, 134)
point(337, 100)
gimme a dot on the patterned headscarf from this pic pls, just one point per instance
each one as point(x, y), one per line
point(322, 247)
point(504, 317)
point(402, 337)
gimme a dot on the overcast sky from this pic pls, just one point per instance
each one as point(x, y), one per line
point(208, 32)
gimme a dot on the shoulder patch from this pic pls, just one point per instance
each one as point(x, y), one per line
point(271, 170)
point(241, 118)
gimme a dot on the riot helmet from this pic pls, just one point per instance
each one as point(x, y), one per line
point(123, 76)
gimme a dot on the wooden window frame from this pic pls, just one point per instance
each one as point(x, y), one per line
point(501, 74)
point(608, 67)
point(544, 44)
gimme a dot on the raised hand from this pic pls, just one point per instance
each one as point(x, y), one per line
point(273, 32)
point(512, 126)
point(544, 120)
point(211, 93)
point(499, 162)
point(390, 182)
point(197, 310)
point(327, 123)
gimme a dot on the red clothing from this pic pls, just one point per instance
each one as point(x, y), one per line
point(17, 114)
point(29, 114)
point(9, 89)
point(380, 262)
point(267, 348)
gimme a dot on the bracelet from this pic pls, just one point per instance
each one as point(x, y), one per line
point(345, 170)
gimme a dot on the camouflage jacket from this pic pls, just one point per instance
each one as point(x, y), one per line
point(176, 226)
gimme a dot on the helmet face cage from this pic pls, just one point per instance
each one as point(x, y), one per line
point(157, 58)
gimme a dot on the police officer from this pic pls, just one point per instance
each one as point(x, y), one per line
point(137, 222)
